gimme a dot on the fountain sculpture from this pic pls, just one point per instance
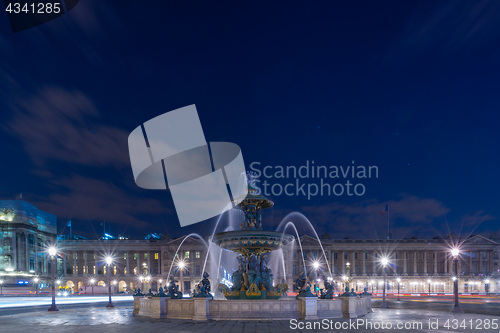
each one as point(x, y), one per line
point(253, 279)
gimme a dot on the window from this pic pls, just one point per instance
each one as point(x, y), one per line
point(145, 256)
point(355, 255)
point(197, 270)
point(156, 256)
point(125, 256)
point(433, 255)
point(94, 269)
point(484, 254)
point(376, 255)
point(315, 254)
point(304, 254)
point(396, 256)
point(124, 269)
point(345, 255)
point(366, 255)
point(335, 255)
point(135, 270)
point(104, 269)
point(294, 254)
point(135, 256)
point(423, 255)
point(186, 255)
point(294, 269)
point(31, 241)
point(406, 255)
point(335, 269)
point(32, 264)
point(197, 254)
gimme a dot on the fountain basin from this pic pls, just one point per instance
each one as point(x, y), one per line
point(248, 242)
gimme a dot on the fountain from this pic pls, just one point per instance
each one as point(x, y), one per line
point(253, 279)
point(252, 294)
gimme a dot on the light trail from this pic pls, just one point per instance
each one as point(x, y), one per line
point(15, 302)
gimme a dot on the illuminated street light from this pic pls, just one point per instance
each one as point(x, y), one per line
point(35, 281)
point(181, 264)
point(109, 261)
point(92, 282)
point(52, 253)
point(398, 280)
point(455, 252)
point(316, 280)
point(384, 261)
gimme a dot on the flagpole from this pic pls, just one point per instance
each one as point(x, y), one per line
point(388, 224)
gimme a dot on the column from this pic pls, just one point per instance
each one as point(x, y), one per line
point(139, 263)
point(65, 267)
point(45, 264)
point(426, 261)
point(128, 263)
point(13, 242)
point(480, 270)
point(415, 258)
point(435, 262)
point(470, 262)
point(363, 262)
point(75, 264)
point(19, 264)
point(149, 261)
point(342, 269)
point(445, 262)
point(85, 264)
point(404, 262)
point(27, 253)
point(374, 258)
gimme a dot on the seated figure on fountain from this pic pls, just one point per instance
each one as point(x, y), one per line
point(327, 293)
point(173, 290)
point(204, 286)
point(303, 286)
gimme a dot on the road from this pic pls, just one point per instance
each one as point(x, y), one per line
point(15, 305)
point(480, 305)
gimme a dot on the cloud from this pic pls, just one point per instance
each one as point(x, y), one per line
point(88, 200)
point(409, 216)
point(58, 124)
point(449, 27)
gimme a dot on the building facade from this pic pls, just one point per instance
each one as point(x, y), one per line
point(25, 233)
point(421, 265)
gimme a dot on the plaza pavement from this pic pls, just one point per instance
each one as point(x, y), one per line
point(120, 319)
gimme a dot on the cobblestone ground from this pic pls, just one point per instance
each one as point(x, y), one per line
point(120, 319)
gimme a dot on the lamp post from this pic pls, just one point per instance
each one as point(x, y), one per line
point(429, 282)
point(92, 281)
point(384, 262)
point(109, 260)
point(181, 266)
point(399, 297)
point(455, 252)
point(316, 266)
point(52, 254)
point(35, 281)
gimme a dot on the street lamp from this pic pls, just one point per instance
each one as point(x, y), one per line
point(455, 252)
point(109, 261)
point(52, 254)
point(35, 281)
point(398, 280)
point(181, 266)
point(92, 282)
point(316, 266)
point(384, 261)
point(429, 282)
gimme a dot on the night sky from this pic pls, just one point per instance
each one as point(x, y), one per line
point(410, 87)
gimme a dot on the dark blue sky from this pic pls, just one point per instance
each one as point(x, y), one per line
point(411, 87)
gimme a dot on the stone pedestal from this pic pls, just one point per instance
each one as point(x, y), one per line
point(202, 308)
point(137, 305)
point(349, 306)
point(368, 299)
point(308, 308)
point(153, 307)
